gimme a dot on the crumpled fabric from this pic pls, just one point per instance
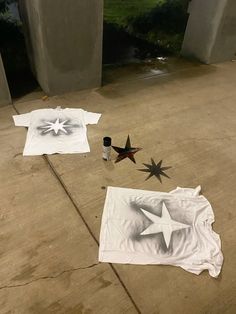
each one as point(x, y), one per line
point(194, 248)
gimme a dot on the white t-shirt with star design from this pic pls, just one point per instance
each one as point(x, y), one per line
point(147, 227)
point(57, 130)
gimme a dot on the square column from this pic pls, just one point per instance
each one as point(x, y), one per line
point(5, 97)
point(211, 31)
point(64, 42)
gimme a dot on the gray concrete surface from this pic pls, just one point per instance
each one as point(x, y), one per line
point(51, 208)
point(5, 97)
point(64, 40)
point(211, 31)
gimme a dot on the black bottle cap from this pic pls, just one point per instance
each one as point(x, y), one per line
point(107, 141)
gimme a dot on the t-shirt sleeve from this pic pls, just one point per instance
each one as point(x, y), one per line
point(91, 117)
point(22, 119)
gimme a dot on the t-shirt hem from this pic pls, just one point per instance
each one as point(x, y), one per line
point(119, 258)
point(25, 153)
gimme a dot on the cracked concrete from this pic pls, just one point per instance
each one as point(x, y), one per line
point(50, 219)
point(49, 277)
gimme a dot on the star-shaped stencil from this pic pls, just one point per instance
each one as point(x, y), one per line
point(55, 127)
point(128, 151)
point(155, 170)
point(164, 224)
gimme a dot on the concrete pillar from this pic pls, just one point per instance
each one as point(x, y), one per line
point(211, 31)
point(5, 97)
point(64, 41)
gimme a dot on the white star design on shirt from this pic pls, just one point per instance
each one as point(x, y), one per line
point(163, 224)
point(56, 126)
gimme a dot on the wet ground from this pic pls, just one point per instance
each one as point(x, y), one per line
point(128, 57)
point(144, 69)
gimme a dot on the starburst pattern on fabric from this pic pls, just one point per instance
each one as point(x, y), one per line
point(57, 127)
point(164, 224)
point(155, 170)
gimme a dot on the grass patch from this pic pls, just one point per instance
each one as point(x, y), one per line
point(118, 11)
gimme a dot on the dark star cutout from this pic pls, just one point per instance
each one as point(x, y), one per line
point(155, 170)
point(128, 151)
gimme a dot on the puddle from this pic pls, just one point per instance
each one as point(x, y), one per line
point(141, 69)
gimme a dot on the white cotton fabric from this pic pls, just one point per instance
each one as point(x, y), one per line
point(68, 136)
point(194, 248)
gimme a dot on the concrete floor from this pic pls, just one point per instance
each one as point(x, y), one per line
point(51, 207)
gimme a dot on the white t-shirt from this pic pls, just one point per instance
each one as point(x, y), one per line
point(144, 227)
point(57, 130)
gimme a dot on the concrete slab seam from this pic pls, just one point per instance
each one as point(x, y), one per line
point(89, 230)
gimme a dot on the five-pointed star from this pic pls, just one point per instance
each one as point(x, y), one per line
point(155, 170)
point(56, 126)
point(163, 224)
point(128, 151)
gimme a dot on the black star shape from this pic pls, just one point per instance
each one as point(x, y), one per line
point(155, 170)
point(128, 151)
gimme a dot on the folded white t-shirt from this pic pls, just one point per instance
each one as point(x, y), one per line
point(145, 227)
point(57, 130)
